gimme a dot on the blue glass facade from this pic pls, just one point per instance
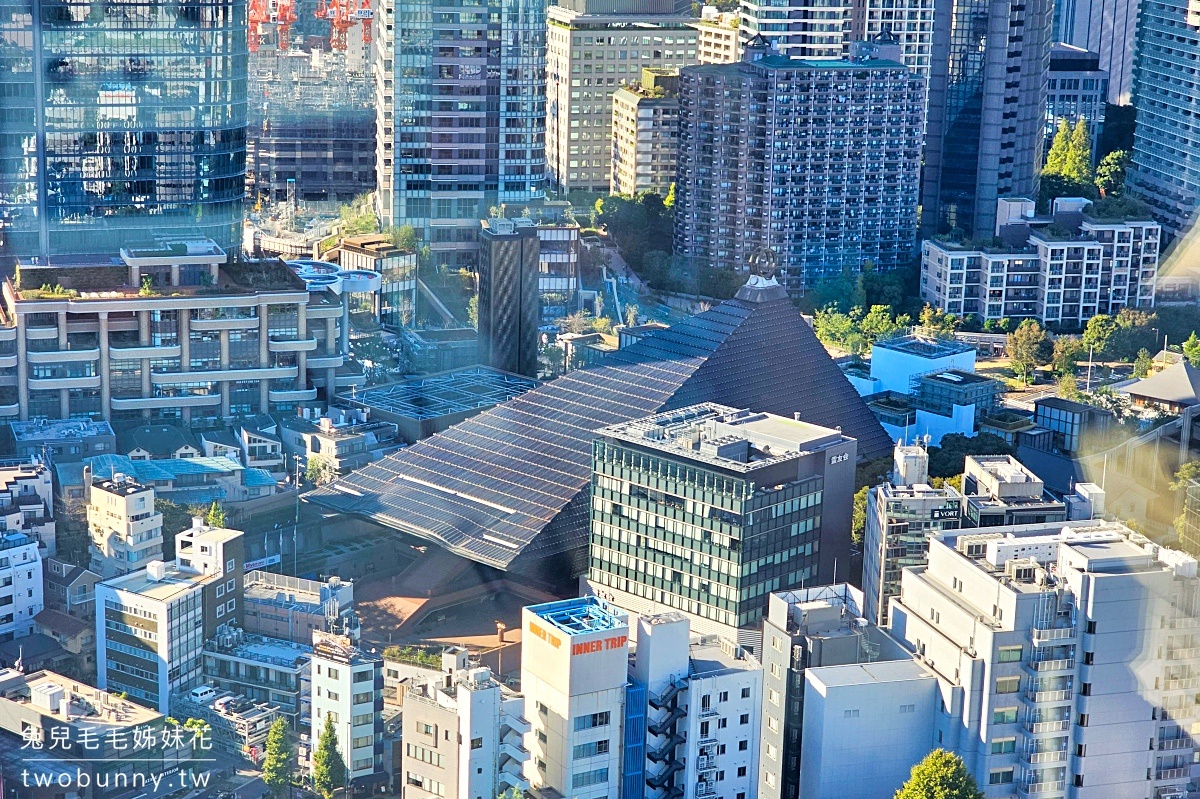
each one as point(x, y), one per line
point(464, 128)
point(120, 121)
point(1166, 145)
point(633, 759)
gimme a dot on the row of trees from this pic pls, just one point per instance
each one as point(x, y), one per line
point(1068, 170)
point(857, 329)
point(279, 759)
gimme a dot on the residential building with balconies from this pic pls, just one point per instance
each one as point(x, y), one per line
point(1063, 272)
point(347, 684)
point(1061, 650)
point(718, 41)
point(170, 333)
point(27, 500)
point(264, 670)
point(484, 753)
point(124, 526)
point(645, 133)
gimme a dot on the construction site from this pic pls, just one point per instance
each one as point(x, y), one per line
point(311, 140)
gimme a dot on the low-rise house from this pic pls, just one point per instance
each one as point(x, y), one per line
point(254, 442)
point(186, 481)
point(156, 442)
point(346, 439)
point(69, 588)
point(62, 440)
point(76, 636)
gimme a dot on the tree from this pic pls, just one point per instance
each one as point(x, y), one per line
point(948, 457)
point(403, 237)
point(578, 322)
point(1191, 349)
point(1185, 475)
point(941, 775)
point(631, 315)
point(1079, 157)
point(1023, 345)
point(517, 793)
point(1060, 149)
point(554, 358)
point(939, 323)
point(473, 311)
point(1068, 351)
point(215, 516)
point(1098, 334)
point(1068, 387)
point(1143, 363)
point(329, 769)
point(858, 524)
point(1110, 173)
point(669, 202)
point(278, 759)
point(320, 470)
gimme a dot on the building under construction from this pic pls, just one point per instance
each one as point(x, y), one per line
point(312, 115)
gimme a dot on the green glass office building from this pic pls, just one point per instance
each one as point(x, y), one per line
point(120, 122)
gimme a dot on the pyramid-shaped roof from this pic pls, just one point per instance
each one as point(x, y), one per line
point(510, 485)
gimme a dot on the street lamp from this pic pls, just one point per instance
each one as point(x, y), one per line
point(500, 628)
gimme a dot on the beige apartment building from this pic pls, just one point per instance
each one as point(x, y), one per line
point(593, 48)
point(171, 332)
point(645, 133)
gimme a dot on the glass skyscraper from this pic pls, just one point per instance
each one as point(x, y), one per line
point(1166, 168)
point(120, 121)
point(461, 88)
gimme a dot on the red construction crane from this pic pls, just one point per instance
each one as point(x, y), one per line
point(340, 21)
point(365, 14)
point(257, 14)
point(285, 15)
point(322, 11)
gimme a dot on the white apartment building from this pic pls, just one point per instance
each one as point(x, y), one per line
point(1066, 656)
point(21, 592)
point(574, 674)
point(799, 28)
point(462, 734)
point(704, 709)
point(901, 516)
point(718, 41)
point(1102, 266)
point(347, 684)
point(151, 624)
point(27, 497)
point(593, 47)
point(126, 531)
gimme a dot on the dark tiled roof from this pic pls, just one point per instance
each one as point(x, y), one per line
point(509, 486)
point(60, 622)
point(1178, 384)
point(160, 440)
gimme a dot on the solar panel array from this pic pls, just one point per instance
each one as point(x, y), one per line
point(508, 487)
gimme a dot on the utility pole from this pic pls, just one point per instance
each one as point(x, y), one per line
point(1088, 387)
point(295, 530)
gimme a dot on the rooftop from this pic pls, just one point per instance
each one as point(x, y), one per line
point(1065, 405)
point(712, 654)
point(119, 484)
point(719, 435)
point(923, 346)
point(160, 440)
point(260, 649)
point(82, 707)
point(61, 623)
point(93, 281)
point(957, 377)
point(444, 393)
point(55, 429)
point(1178, 384)
point(580, 616)
point(868, 673)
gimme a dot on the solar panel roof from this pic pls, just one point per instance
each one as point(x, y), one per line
point(508, 487)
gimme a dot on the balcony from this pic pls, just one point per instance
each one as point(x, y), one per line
point(1048, 666)
point(291, 395)
point(49, 383)
point(288, 344)
point(1045, 727)
point(1182, 654)
point(518, 753)
point(63, 356)
point(224, 323)
point(1034, 758)
point(1172, 744)
point(1042, 697)
point(214, 375)
point(141, 403)
point(1040, 789)
point(150, 351)
point(513, 780)
point(325, 361)
point(1044, 635)
point(517, 723)
point(1172, 773)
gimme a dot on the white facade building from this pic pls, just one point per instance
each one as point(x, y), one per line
point(347, 684)
point(718, 42)
point(125, 529)
point(1061, 651)
point(463, 734)
point(574, 674)
point(151, 624)
point(27, 497)
point(21, 593)
point(799, 28)
point(901, 516)
point(865, 726)
point(703, 718)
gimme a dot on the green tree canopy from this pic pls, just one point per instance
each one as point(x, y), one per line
point(1079, 157)
point(1060, 149)
point(1191, 349)
point(1110, 173)
point(1099, 333)
point(858, 524)
point(278, 759)
point(947, 459)
point(329, 768)
point(1068, 352)
point(1143, 363)
point(320, 470)
point(941, 775)
point(215, 516)
point(1024, 347)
